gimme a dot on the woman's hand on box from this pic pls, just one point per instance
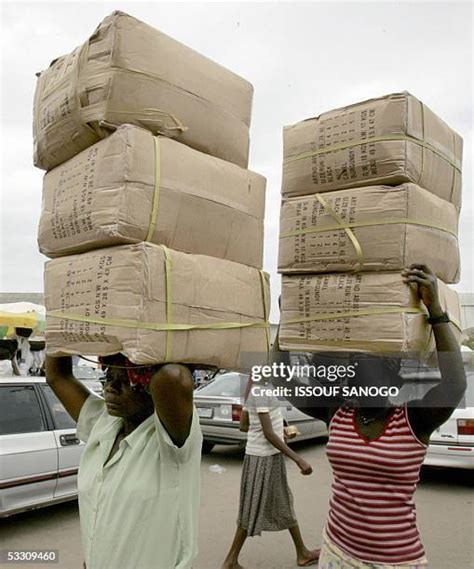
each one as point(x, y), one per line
point(427, 286)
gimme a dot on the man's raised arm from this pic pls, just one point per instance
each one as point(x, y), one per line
point(70, 391)
point(172, 389)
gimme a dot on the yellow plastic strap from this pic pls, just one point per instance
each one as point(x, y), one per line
point(456, 322)
point(265, 315)
point(393, 137)
point(169, 302)
point(422, 147)
point(350, 233)
point(355, 313)
point(389, 221)
point(125, 323)
point(156, 194)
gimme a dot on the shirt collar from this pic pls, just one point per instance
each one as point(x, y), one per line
point(137, 435)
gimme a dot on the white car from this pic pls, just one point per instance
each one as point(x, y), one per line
point(452, 445)
point(219, 405)
point(39, 449)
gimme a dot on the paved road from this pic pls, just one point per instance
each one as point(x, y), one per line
point(444, 499)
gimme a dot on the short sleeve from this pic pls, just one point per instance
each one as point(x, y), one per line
point(170, 451)
point(92, 410)
point(263, 403)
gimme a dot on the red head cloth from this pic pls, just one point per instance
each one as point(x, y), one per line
point(137, 374)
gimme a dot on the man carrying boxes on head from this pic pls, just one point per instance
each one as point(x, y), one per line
point(157, 248)
point(139, 474)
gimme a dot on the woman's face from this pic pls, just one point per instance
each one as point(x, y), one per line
point(377, 372)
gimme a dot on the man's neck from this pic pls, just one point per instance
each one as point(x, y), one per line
point(131, 423)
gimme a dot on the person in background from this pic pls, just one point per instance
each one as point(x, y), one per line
point(266, 502)
point(197, 378)
point(37, 351)
point(376, 451)
point(139, 474)
point(23, 357)
point(8, 365)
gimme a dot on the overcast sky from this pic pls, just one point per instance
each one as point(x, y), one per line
point(302, 58)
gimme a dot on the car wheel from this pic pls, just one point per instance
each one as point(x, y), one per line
point(207, 447)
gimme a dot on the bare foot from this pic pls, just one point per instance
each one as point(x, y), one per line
point(309, 558)
point(232, 565)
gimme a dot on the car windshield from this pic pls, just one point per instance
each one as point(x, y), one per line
point(470, 390)
point(86, 372)
point(226, 385)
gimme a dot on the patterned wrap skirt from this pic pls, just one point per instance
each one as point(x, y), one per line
point(333, 557)
point(266, 501)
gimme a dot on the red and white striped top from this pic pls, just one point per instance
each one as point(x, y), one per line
point(372, 515)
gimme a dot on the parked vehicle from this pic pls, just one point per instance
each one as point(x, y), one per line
point(91, 377)
point(39, 449)
point(219, 405)
point(452, 445)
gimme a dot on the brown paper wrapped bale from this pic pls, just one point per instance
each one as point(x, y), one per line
point(393, 227)
point(389, 140)
point(372, 312)
point(132, 187)
point(129, 72)
point(156, 305)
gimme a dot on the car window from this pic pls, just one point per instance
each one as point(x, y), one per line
point(227, 385)
point(62, 418)
point(20, 410)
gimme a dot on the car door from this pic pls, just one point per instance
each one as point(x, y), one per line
point(69, 446)
point(28, 451)
point(305, 423)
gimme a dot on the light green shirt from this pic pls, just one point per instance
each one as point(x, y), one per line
point(140, 510)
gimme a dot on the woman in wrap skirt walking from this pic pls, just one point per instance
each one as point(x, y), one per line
point(266, 502)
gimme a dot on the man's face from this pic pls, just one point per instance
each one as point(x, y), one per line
point(122, 399)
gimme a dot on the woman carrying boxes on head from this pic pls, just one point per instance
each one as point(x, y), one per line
point(369, 190)
point(376, 451)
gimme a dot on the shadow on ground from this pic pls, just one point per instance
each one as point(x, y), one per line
point(437, 476)
point(36, 519)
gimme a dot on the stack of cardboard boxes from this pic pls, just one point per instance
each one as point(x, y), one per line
point(367, 190)
point(154, 224)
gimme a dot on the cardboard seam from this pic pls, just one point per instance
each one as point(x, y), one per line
point(173, 86)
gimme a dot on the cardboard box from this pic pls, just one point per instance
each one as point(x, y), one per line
point(389, 140)
point(319, 313)
point(393, 227)
point(105, 195)
point(129, 72)
point(130, 299)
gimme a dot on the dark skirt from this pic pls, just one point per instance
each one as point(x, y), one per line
point(266, 502)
